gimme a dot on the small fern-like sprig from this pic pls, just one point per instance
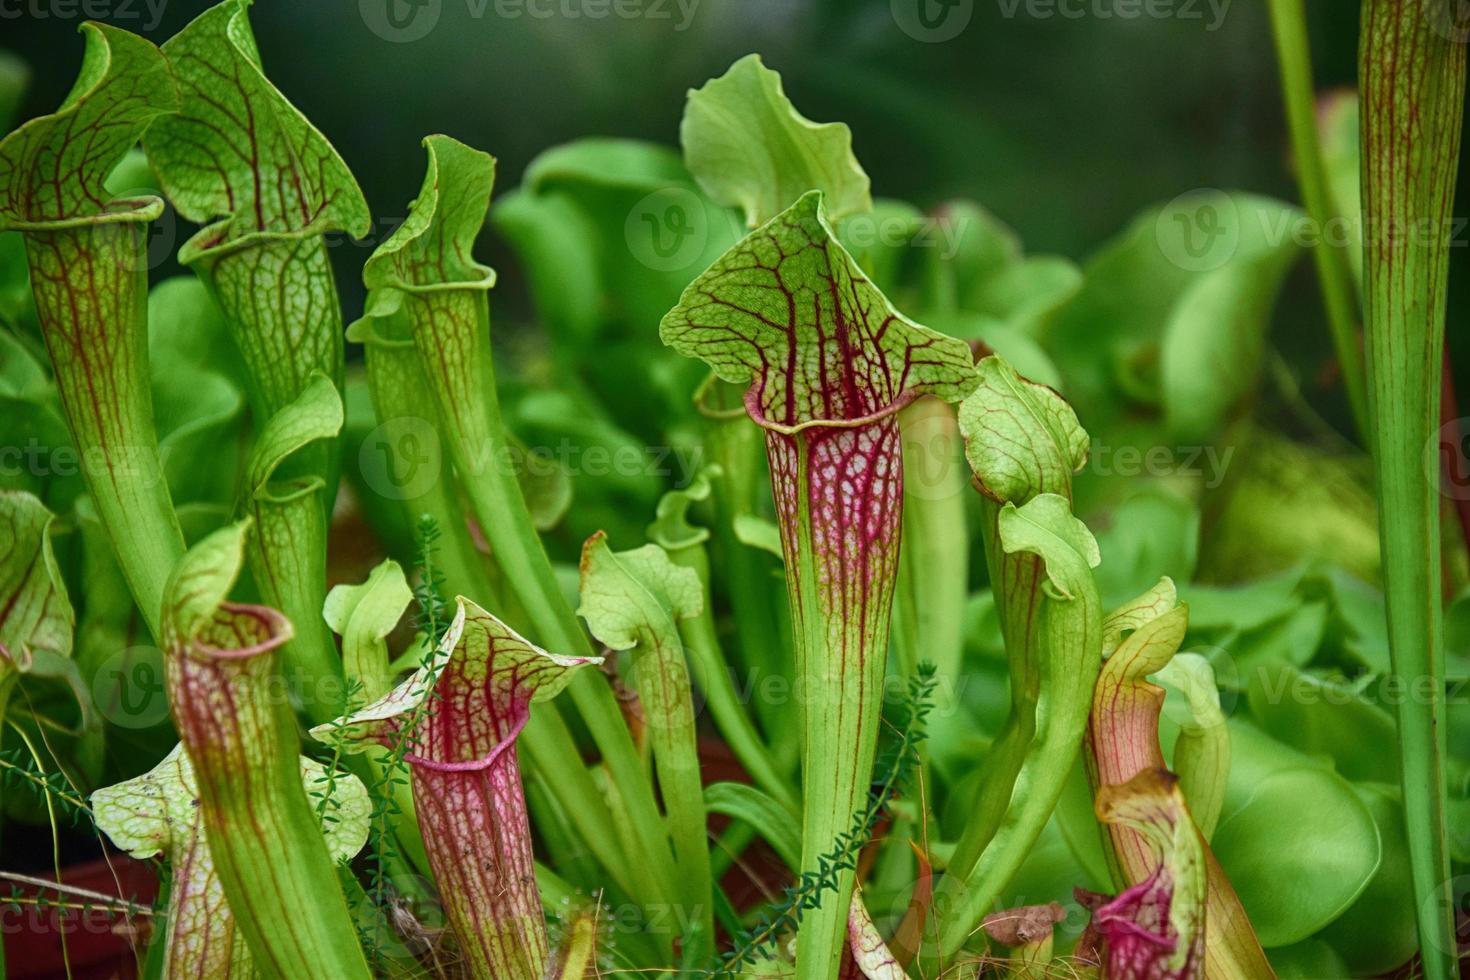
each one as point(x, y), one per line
point(332, 767)
point(431, 617)
point(17, 773)
point(431, 621)
point(891, 773)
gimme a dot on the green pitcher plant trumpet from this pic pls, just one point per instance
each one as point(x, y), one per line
point(267, 195)
point(829, 364)
point(1141, 639)
point(1155, 928)
point(462, 713)
point(1412, 73)
point(89, 275)
point(1024, 443)
point(240, 736)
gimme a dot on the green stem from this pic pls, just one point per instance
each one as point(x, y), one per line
point(735, 447)
point(841, 621)
point(496, 498)
point(425, 269)
point(406, 443)
point(397, 382)
point(1024, 443)
point(1412, 68)
point(239, 159)
point(934, 557)
point(632, 602)
point(713, 676)
point(1293, 51)
point(282, 346)
point(99, 350)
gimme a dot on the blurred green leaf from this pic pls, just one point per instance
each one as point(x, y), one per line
point(1360, 619)
point(1325, 718)
point(749, 148)
point(14, 75)
point(1282, 503)
point(883, 241)
point(608, 232)
point(34, 428)
point(1293, 639)
point(1299, 853)
point(1311, 959)
point(1340, 135)
point(1378, 934)
point(198, 392)
point(778, 825)
point(1244, 607)
point(1172, 314)
point(1148, 535)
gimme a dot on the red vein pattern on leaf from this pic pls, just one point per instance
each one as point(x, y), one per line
point(853, 489)
point(428, 268)
point(1124, 732)
point(241, 156)
point(1135, 930)
point(215, 682)
point(34, 612)
point(83, 252)
point(467, 783)
point(788, 310)
point(54, 167)
point(828, 363)
point(86, 293)
point(866, 956)
point(239, 149)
